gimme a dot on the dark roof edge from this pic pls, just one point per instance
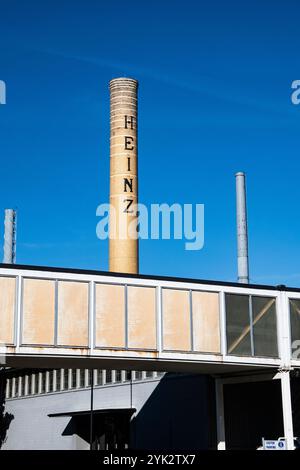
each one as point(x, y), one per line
point(147, 276)
point(88, 412)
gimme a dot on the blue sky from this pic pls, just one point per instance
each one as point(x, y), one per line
point(214, 98)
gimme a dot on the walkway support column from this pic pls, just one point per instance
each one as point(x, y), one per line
point(287, 408)
point(221, 444)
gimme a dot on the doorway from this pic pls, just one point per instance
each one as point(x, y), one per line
point(253, 410)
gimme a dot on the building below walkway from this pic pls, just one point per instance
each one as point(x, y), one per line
point(139, 410)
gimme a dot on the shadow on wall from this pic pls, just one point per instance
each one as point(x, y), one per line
point(179, 414)
point(5, 418)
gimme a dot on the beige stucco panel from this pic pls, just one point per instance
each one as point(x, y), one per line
point(141, 317)
point(110, 316)
point(73, 313)
point(176, 320)
point(7, 309)
point(206, 322)
point(38, 311)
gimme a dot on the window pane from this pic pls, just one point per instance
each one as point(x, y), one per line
point(295, 326)
point(34, 383)
point(23, 386)
point(51, 380)
point(82, 378)
point(43, 388)
point(66, 379)
point(264, 326)
point(138, 375)
point(128, 375)
point(74, 377)
point(89, 377)
point(238, 325)
point(108, 376)
point(29, 384)
point(118, 376)
point(16, 394)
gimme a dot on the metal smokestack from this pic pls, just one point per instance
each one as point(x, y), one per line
point(123, 247)
point(9, 249)
point(242, 229)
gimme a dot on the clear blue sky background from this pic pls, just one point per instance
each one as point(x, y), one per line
point(215, 84)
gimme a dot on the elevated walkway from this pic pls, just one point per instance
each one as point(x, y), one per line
point(53, 317)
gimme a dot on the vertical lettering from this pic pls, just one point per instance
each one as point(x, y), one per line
point(128, 143)
point(128, 205)
point(129, 120)
point(127, 182)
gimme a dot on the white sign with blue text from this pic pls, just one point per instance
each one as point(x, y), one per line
point(279, 444)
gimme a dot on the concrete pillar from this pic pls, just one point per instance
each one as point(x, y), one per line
point(287, 408)
point(104, 377)
point(7, 390)
point(86, 378)
point(123, 243)
point(47, 385)
point(61, 379)
point(33, 384)
point(13, 387)
point(55, 374)
point(77, 378)
point(20, 385)
point(26, 391)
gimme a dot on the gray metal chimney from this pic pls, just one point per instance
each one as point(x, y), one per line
point(9, 249)
point(242, 229)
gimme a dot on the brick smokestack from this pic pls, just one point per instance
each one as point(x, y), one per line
point(123, 243)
